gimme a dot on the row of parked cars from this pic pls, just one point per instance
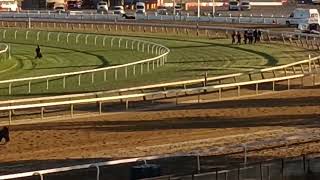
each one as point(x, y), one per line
point(102, 7)
point(239, 5)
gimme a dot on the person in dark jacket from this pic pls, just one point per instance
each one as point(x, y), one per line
point(255, 35)
point(250, 36)
point(245, 37)
point(233, 36)
point(238, 37)
point(38, 52)
point(4, 134)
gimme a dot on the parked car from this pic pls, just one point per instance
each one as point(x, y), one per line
point(245, 5)
point(102, 7)
point(140, 8)
point(118, 10)
point(161, 10)
point(234, 6)
point(59, 8)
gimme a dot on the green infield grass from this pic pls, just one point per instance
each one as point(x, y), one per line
point(188, 59)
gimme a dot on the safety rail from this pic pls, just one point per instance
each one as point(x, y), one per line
point(159, 50)
point(176, 93)
point(100, 100)
point(311, 63)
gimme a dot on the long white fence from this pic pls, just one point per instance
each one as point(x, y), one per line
point(145, 65)
point(189, 18)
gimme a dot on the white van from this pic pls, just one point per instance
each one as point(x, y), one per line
point(102, 7)
point(140, 8)
point(303, 16)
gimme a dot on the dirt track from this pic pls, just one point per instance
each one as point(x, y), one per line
point(208, 128)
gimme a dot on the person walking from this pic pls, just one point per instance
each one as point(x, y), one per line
point(238, 38)
point(250, 36)
point(233, 36)
point(245, 37)
point(259, 35)
point(255, 35)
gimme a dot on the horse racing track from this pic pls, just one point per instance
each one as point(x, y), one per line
point(272, 125)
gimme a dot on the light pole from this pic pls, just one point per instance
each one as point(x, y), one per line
point(174, 8)
point(198, 8)
point(213, 8)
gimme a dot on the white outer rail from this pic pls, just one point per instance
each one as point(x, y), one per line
point(105, 99)
point(85, 166)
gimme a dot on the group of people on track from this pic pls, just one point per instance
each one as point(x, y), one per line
point(249, 36)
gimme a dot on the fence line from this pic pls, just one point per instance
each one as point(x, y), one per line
point(160, 51)
point(311, 63)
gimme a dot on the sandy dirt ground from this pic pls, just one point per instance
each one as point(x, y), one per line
point(209, 128)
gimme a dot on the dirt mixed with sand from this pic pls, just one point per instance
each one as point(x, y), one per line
point(207, 128)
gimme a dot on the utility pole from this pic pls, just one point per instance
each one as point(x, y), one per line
point(174, 8)
point(213, 8)
point(198, 8)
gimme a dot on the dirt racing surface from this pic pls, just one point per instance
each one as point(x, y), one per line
point(210, 128)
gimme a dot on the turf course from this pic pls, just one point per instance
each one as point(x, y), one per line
point(188, 59)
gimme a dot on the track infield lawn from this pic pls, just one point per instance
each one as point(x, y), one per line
point(188, 59)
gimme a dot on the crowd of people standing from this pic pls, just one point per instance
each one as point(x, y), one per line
point(249, 36)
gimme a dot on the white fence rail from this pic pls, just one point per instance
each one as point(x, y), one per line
point(149, 64)
point(4, 51)
point(110, 17)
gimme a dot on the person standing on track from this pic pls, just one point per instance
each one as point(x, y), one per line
point(255, 35)
point(38, 52)
point(238, 38)
point(245, 37)
point(233, 36)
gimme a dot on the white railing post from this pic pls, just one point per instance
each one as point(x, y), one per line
point(120, 42)
point(92, 77)
point(64, 82)
point(38, 174)
point(94, 165)
point(15, 34)
point(9, 89)
point(68, 37)
point(309, 63)
point(29, 90)
point(132, 43)
point(48, 37)
point(79, 80)
point(111, 43)
point(86, 39)
point(104, 41)
point(95, 40)
point(4, 34)
point(77, 38)
point(27, 32)
point(38, 35)
point(58, 37)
